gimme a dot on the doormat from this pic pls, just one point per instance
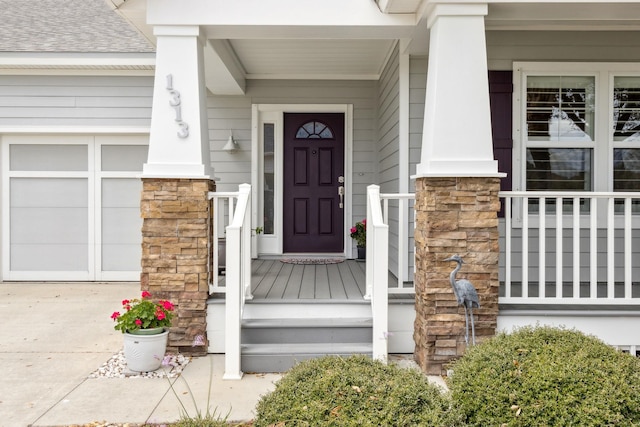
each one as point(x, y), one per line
point(312, 261)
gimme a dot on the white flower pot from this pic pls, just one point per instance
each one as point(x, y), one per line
point(144, 353)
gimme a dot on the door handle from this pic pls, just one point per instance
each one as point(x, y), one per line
point(341, 194)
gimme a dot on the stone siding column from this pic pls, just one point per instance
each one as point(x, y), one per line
point(175, 234)
point(454, 216)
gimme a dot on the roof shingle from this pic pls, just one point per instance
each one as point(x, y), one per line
point(80, 26)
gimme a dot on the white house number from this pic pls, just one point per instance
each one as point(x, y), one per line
point(174, 101)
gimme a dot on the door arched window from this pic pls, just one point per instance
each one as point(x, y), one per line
point(314, 130)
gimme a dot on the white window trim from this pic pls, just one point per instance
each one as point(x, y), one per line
point(274, 113)
point(603, 143)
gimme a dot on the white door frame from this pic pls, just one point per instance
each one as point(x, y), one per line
point(274, 113)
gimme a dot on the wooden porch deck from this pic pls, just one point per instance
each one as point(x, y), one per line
point(274, 280)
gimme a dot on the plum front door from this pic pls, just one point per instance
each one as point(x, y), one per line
point(313, 217)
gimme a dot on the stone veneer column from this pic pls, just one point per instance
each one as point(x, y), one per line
point(454, 215)
point(175, 235)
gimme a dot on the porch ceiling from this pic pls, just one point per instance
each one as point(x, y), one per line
point(288, 46)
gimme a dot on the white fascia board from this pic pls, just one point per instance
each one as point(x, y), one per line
point(77, 61)
point(83, 130)
point(272, 13)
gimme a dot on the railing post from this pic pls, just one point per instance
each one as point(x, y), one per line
point(245, 189)
point(378, 272)
point(233, 307)
point(380, 298)
point(373, 193)
point(238, 250)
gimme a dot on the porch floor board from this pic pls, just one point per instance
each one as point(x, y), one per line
point(272, 279)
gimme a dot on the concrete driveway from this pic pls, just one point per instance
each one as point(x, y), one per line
point(55, 335)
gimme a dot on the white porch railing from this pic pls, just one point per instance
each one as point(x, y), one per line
point(405, 285)
point(377, 272)
point(238, 272)
point(590, 237)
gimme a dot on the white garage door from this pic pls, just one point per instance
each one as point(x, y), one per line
point(70, 207)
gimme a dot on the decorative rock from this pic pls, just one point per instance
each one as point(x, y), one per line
point(116, 367)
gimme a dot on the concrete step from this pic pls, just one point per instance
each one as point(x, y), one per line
point(281, 357)
point(321, 331)
point(275, 345)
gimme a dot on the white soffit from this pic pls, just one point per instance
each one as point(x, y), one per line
point(312, 59)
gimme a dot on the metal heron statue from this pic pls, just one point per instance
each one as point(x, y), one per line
point(466, 295)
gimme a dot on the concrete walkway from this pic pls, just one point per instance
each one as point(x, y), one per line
point(55, 335)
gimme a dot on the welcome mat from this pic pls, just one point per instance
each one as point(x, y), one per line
point(312, 261)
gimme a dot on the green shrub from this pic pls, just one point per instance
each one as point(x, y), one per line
point(354, 391)
point(547, 377)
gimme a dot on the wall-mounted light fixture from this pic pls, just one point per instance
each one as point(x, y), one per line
point(231, 146)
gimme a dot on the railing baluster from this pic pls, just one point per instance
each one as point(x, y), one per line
point(576, 247)
point(525, 247)
point(542, 247)
point(593, 248)
point(610, 249)
point(403, 265)
point(559, 248)
point(507, 244)
point(628, 238)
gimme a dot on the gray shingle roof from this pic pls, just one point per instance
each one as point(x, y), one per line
point(66, 26)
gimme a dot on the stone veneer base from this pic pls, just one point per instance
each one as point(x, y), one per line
point(454, 216)
point(175, 234)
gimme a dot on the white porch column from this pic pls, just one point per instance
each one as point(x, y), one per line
point(179, 140)
point(457, 186)
point(456, 139)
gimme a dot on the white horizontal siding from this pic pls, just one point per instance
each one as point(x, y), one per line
point(75, 101)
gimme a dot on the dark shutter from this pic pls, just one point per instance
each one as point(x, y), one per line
point(500, 96)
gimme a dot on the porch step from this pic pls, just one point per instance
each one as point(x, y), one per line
point(275, 345)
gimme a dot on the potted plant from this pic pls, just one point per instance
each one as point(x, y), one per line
point(359, 234)
point(145, 324)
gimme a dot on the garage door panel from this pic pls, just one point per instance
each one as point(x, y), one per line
point(49, 192)
point(121, 193)
point(49, 226)
point(46, 157)
point(121, 257)
point(124, 157)
point(49, 258)
point(120, 225)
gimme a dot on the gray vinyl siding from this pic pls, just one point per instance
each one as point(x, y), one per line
point(417, 92)
point(234, 113)
point(505, 47)
point(388, 146)
point(75, 100)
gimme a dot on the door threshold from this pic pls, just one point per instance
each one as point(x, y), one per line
point(304, 255)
